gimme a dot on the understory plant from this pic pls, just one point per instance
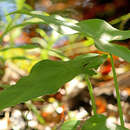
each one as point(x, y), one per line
point(47, 76)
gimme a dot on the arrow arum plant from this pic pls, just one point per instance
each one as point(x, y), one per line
point(59, 72)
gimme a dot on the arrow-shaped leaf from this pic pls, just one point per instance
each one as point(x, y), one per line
point(103, 35)
point(47, 77)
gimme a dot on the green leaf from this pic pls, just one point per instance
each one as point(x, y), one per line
point(70, 125)
point(45, 17)
point(98, 122)
point(26, 46)
point(47, 77)
point(10, 27)
point(23, 25)
point(103, 35)
point(6, 30)
point(20, 58)
point(102, 32)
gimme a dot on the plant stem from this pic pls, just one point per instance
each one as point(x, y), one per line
point(117, 91)
point(91, 94)
point(36, 112)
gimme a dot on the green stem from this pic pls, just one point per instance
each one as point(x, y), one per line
point(117, 92)
point(36, 112)
point(91, 94)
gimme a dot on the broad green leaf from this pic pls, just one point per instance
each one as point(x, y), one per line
point(47, 77)
point(70, 125)
point(99, 122)
point(103, 35)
